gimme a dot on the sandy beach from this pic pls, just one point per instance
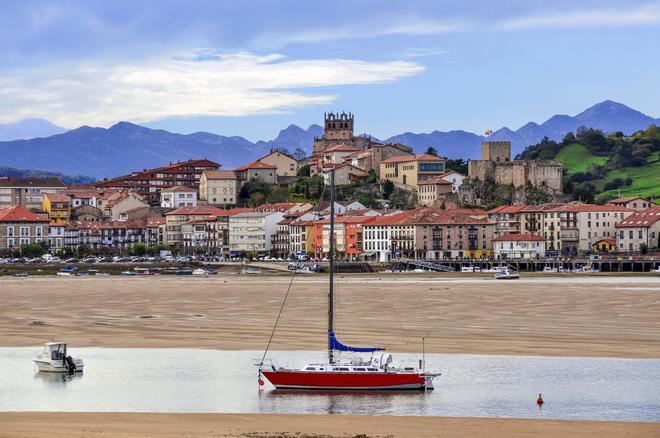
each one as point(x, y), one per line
point(30, 424)
point(564, 316)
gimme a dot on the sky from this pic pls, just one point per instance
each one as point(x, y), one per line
point(251, 68)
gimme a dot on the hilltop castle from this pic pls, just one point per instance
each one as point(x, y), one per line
point(496, 165)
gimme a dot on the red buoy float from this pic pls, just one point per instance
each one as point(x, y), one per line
point(539, 400)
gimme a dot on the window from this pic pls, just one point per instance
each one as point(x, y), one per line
point(10, 231)
point(25, 231)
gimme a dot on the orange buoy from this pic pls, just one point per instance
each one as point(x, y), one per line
point(539, 400)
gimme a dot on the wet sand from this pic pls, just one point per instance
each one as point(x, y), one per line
point(558, 316)
point(72, 425)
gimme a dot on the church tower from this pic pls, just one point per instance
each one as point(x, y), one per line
point(339, 127)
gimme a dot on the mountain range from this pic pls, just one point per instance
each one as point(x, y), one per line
point(125, 147)
point(28, 128)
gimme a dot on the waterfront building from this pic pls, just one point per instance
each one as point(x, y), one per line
point(519, 246)
point(253, 231)
point(640, 228)
point(20, 226)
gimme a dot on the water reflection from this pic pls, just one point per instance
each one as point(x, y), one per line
point(188, 380)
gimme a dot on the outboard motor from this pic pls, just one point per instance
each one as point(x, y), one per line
point(70, 364)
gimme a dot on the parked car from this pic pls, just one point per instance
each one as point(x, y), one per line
point(54, 260)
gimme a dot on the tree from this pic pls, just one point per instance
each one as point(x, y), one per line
point(255, 185)
point(366, 199)
point(33, 250)
point(569, 139)
point(431, 151)
point(388, 188)
point(84, 250)
point(139, 249)
point(303, 171)
point(372, 177)
point(643, 249)
point(458, 165)
point(257, 199)
point(299, 154)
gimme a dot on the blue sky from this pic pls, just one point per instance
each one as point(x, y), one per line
point(251, 68)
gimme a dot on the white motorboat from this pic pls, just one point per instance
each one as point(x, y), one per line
point(200, 271)
point(507, 275)
point(655, 271)
point(54, 359)
point(549, 268)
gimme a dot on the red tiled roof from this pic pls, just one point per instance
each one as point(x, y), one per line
point(254, 165)
point(406, 158)
point(428, 215)
point(519, 238)
point(16, 213)
point(179, 167)
point(438, 180)
point(579, 207)
point(282, 206)
point(625, 199)
point(239, 210)
point(155, 221)
point(220, 174)
point(507, 209)
point(179, 189)
point(607, 240)
point(57, 197)
point(83, 195)
point(8, 181)
point(641, 219)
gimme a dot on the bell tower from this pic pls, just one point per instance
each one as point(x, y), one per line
point(339, 126)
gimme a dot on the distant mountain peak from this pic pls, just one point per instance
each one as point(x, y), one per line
point(29, 127)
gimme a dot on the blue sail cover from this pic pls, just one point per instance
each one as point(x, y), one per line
point(336, 345)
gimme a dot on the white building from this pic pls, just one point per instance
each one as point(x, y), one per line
point(641, 228)
point(56, 237)
point(519, 246)
point(253, 231)
point(455, 178)
point(178, 196)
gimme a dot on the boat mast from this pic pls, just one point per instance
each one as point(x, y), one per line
point(331, 258)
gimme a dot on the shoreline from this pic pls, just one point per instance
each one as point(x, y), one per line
point(114, 425)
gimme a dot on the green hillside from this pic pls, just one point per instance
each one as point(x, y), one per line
point(577, 158)
point(645, 179)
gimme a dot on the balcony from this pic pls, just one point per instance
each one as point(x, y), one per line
point(568, 234)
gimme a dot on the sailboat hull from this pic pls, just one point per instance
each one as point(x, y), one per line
point(286, 379)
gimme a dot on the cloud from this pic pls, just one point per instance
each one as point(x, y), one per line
point(202, 82)
point(417, 52)
point(644, 14)
point(362, 29)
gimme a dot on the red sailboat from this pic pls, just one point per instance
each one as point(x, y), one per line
point(375, 373)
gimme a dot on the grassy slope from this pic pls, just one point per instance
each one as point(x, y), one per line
point(576, 158)
point(646, 179)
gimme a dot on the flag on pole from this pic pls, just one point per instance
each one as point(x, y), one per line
point(488, 132)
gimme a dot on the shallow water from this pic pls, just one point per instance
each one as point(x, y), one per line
point(189, 380)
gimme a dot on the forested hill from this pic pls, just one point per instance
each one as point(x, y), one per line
point(600, 166)
point(32, 173)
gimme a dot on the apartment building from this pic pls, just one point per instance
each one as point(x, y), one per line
point(409, 170)
point(637, 203)
point(178, 196)
point(56, 237)
point(219, 187)
point(284, 163)
point(150, 182)
point(176, 219)
point(253, 231)
point(519, 246)
point(442, 233)
point(507, 219)
point(28, 192)
point(349, 234)
point(581, 225)
point(432, 192)
point(257, 170)
point(20, 226)
point(58, 207)
point(113, 203)
point(640, 228)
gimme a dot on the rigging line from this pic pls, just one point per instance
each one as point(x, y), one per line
point(261, 363)
point(396, 315)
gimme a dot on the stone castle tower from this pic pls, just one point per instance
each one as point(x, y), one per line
point(339, 126)
point(496, 151)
